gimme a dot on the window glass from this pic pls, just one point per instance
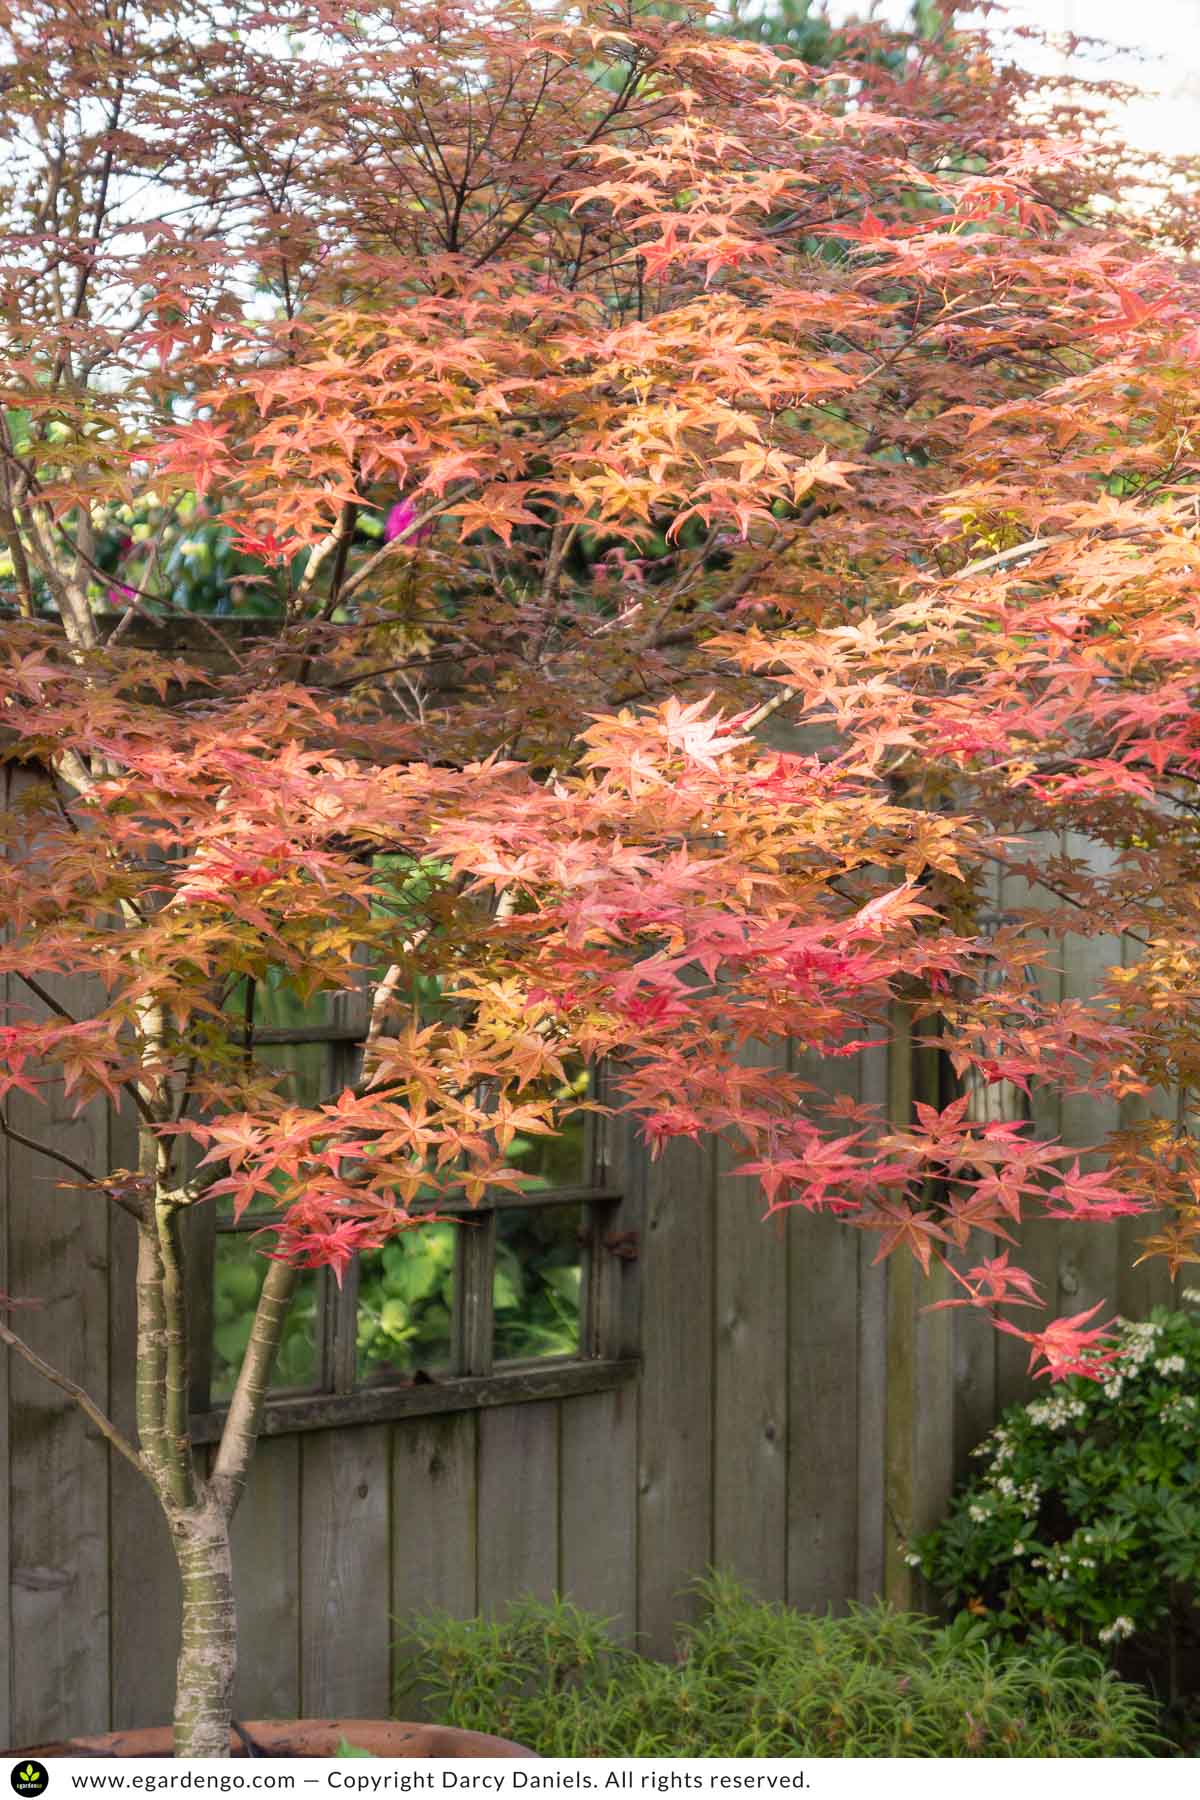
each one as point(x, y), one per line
point(301, 1069)
point(239, 1270)
point(405, 1292)
point(561, 1161)
point(539, 1267)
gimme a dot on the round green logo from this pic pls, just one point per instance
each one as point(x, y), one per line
point(30, 1777)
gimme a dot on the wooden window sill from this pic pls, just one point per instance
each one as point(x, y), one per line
point(542, 1380)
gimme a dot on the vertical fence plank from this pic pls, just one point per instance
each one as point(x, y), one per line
point(750, 1412)
point(599, 1506)
point(266, 1558)
point(1088, 1255)
point(823, 1379)
point(920, 1408)
point(518, 1503)
point(1146, 1284)
point(975, 1384)
point(1038, 1252)
point(433, 1532)
point(974, 1334)
point(822, 1534)
point(58, 1247)
point(871, 1396)
point(675, 1410)
point(344, 1575)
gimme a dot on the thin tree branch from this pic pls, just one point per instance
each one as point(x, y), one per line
point(244, 1419)
point(68, 1162)
point(46, 998)
point(380, 1001)
point(81, 1399)
point(175, 1344)
point(763, 712)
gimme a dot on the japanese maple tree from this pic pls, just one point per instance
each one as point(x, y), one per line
point(576, 389)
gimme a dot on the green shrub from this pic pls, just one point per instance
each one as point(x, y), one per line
point(1085, 1520)
point(756, 1680)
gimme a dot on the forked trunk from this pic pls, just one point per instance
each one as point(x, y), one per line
point(208, 1639)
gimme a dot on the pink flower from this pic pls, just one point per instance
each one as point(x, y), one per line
point(398, 523)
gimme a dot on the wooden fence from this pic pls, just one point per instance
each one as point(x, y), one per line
point(794, 1417)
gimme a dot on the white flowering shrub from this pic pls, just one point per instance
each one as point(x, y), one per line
point(1084, 1520)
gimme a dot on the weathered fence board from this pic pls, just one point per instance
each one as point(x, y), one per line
point(871, 1393)
point(675, 1447)
point(822, 1362)
point(750, 1421)
point(1088, 1260)
point(58, 1482)
point(343, 1577)
point(1039, 1239)
point(518, 1503)
point(1143, 1285)
point(434, 1514)
point(598, 1508)
point(266, 1554)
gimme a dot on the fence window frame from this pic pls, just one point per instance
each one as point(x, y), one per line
point(605, 1357)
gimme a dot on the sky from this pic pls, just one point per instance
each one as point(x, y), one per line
point(1161, 44)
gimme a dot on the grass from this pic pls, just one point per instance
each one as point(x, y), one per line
point(758, 1680)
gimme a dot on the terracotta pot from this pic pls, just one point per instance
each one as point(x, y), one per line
point(297, 1737)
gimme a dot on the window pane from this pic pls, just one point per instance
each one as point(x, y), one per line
point(301, 1070)
point(539, 1264)
point(239, 1269)
point(550, 1162)
point(404, 1297)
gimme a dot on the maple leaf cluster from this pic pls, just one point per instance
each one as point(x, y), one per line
point(588, 390)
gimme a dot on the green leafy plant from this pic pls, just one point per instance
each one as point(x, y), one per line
point(758, 1680)
point(1085, 1519)
point(404, 1297)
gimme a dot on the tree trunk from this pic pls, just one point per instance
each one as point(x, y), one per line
point(208, 1640)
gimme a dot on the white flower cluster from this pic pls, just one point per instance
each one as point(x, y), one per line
point(1029, 1495)
point(978, 1515)
point(1121, 1627)
point(1060, 1565)
point(912, 1559)
point(1180, 1409)
point(1138, 1347)
point(1003, 1447)
point(1057, 1412)
point(1171, 1365)
point(1192, 1296)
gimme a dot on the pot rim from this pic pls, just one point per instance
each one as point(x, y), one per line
point(385, 1738)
